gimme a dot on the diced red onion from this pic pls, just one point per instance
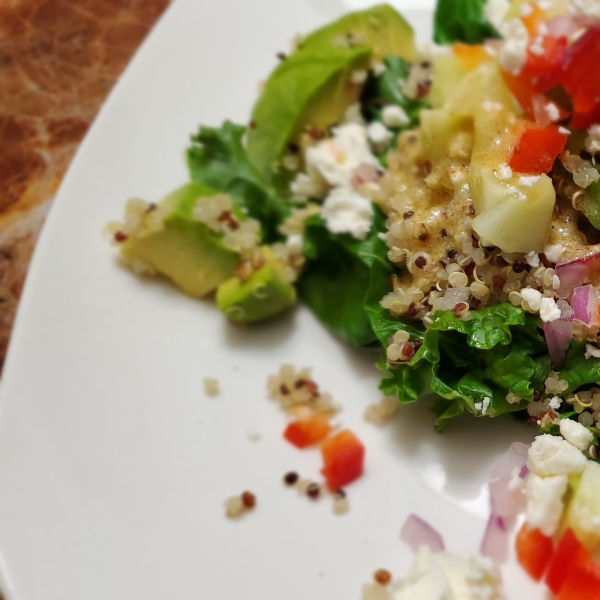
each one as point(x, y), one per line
point(416, 533)
point(514, 458)
point(524, 472)
point(506, 502)
point(562, 27)
point(586, 22)
point(495, 540)
point(585, 305)
point(571, 275)
point(366, 173)
point(558, 334)
point(542, 116)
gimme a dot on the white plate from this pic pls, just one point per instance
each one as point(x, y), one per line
point(114, 464)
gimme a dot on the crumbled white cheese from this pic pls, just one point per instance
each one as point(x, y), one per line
point(533, 298)
point(504, 172)
point(337, 159)
point(545, 501)
point(581, 8)
point(378, 69)
point(552, 455)
point(564, 130)
point(549, 311)
point(526, 9)
point(576, 434)
point(394, 116)
point(592, 351)
point(592, 142)
point(346, 211)
point(552, 111)
point(533, 259)
point(310, 184)
point(486, 405)
point(555, 402)
point(446, 576)
point(513, 53)
point(489, 105)
point(511, 190)
point(358, 77)
point(537, 47)
point(529, 180)
point(495, 11)
point(379, 134)
point(554, 252)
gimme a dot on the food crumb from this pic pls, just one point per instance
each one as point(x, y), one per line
point(236, 506)
point(341, 504)
point(290, 478)
point(382, 411)
point(313, 491)
point(382, 576)
point(375, 591)
point(254, 436)
point(302, 486)
point(211, 386)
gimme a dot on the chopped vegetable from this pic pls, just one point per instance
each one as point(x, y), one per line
point(304, 433)
point(568, 553)
point(583, 582)
point(343, 459)
point(462, 21)
point(537, 149)
point(416, 533)
point(534, 551)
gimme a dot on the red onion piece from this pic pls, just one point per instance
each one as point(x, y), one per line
point(562, 27)
point(559, 334)
point(571, 275)
point(366, 173)
point(506, 502)
point(495, 540)
point(542, 116)
point(514, 458)
point(585, 305)
point(416, 533)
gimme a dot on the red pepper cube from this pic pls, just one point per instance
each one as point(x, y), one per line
point(537, 149)
point(534, 551)
point(569, 552)
point(343, 459)
point(306, 433)
point(583, 582)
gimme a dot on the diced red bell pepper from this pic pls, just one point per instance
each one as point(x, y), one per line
point(304, 433)
point(537, 149)
point(583, 582)
point(581, 77)
point(569, 552)
point(343, 459)
point(544, 71)
point(534, 551)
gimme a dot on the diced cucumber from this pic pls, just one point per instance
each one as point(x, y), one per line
point(583, 513)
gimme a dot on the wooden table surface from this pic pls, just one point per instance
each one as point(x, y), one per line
point(58, 61)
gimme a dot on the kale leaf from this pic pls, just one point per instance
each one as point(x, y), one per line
point(344, 279)
point(461, 21)
point(217, 158)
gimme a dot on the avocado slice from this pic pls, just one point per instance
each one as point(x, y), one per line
point(380, 27)
point(185, 251)
point(264, 294)
point(311, 87)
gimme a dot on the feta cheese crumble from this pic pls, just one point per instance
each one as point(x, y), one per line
point(584, 8)
point(545, 501)
point(592, 351)
point(346, 211)
point(533, 298)
point(447, 576)
point(529, 180)
point(380, 136)
point(554, 252)
point(549, 311)
point(576, 434)
point(394, 116)
point(551, 455)
point(337, 159)
point(513, 54)
point(504, 172)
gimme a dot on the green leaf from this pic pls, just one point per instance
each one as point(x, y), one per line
point(487, 328)
point(386, 89)
point(579, 370)
point(462, 21)
point(343, 277)
point(217, 158)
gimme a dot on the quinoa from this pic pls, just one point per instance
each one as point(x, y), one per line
point(211, 386)
point(236, 506)
point(382, 411)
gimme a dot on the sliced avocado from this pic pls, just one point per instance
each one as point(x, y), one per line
point(311, 87)
point(380, 27)
point(264, 294)
point(185, 251)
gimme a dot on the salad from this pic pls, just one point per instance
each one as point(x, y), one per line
point(439, 204)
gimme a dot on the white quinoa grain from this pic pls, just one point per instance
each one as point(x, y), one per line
point(234, 507)
point(211, 386)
